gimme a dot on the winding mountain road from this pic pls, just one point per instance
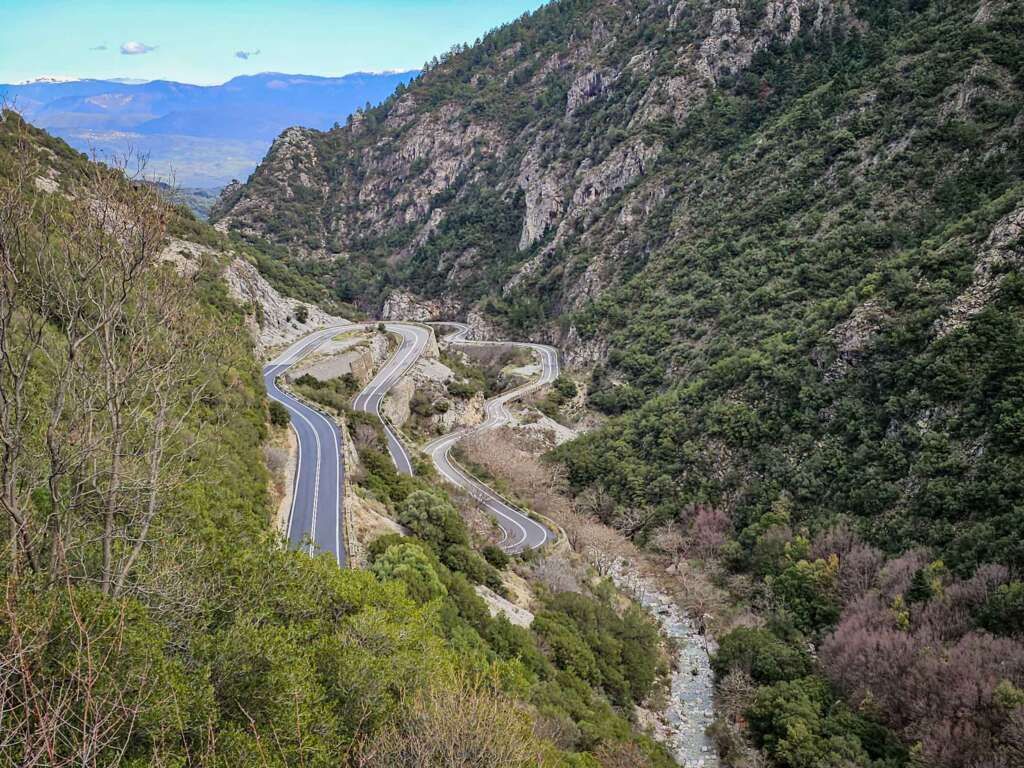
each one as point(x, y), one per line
point(519, 530)
point(314, 519)
point(414, 342)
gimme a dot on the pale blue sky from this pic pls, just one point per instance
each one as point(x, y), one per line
point(197, 41)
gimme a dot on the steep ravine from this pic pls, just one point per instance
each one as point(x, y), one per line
point(682, 723)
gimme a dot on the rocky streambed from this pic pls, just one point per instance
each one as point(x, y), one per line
point(681, 726)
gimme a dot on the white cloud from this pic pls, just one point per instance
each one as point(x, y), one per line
point(246, 54)
point(133, 48)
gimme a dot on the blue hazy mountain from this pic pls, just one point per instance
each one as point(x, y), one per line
point(202, 135)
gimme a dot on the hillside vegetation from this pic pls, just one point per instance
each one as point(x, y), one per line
point(149, 614)
point(784, 239)
point(196, 135)
point(783, 243)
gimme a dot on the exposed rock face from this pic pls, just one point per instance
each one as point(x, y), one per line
point(300, 175)
point(499, 606)
point(186, 256)
point(407, 174)
point(273, 321)
point(481, 328)
point(404, 305)
point(584, 353)
point(541, 185)
point(853, 336)
point(303, 184)
point(47, 183)
point(396, 405)
point(228, 197)
point(625, 165)
point(587, 87)
point(1002, 253)
point(429, 377)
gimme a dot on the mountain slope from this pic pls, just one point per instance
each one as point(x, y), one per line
point(784, 241)
point(152, 616)
point(788, 223)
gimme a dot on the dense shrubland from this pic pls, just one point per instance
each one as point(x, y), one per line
point(907, 670)
point(581, 666)
point(803, 379)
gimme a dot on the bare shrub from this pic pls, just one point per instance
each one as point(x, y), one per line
point(465, 725)
point(670, 540)
point(557, 574)
point(952, 614)
point(859, 563)
point(709, 532)
point(895, 577)
point(735, 694)
point(277, 461)
point(596, 502)
point(859, 569)
point(621, 754)
point(929, 681)
point(631, 520)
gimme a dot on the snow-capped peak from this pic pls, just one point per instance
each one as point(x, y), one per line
point(50, 79)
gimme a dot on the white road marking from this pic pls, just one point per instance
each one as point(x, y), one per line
point(498, 413)
point(414, 338)
point(286, 360)
point(316, 479)
point(298, 459)
point(413, 341)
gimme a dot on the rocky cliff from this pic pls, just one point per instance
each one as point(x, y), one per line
point(559, 120)
point(527, 174)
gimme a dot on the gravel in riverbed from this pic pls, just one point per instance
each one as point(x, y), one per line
point(691, 705)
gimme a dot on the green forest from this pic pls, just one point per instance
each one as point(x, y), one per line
point(783, 262)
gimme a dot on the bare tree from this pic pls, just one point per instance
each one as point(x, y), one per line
point(621, 754)
point(574, 524)
point(74, 718)
point(102, 361)
point(23, 318)
point(670, 540)
point(708, 531)
point(557, 574)
point(735, 695)
point(595, 501)
point(629, 520)
point(1012, 738)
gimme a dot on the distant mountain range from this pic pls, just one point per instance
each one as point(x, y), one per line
point(203, 136)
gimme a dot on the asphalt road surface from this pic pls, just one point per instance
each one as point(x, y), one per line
point(414, 341)
point(314, 520)
point(519, 530)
